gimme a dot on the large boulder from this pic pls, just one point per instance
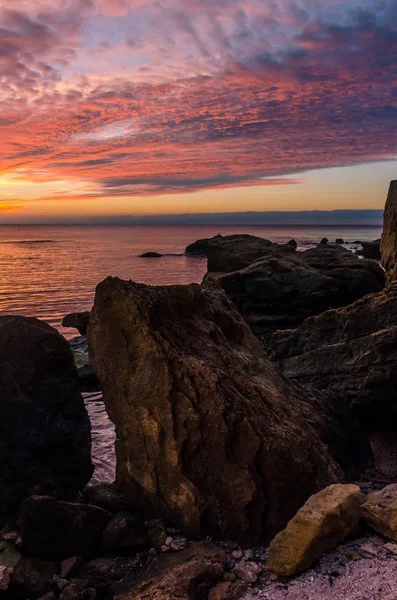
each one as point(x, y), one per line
point(371, 250)
point(351, 352)
point(322, 523)
point(389, 236)
point(204, 421)
point(281, 289)
point(54, 530)
point(45, 439)
point(232, 252)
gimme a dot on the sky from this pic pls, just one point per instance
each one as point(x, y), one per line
point(142, 107)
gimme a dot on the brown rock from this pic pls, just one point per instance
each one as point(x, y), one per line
point(228, 590)
point(388, 245)
point(70, 566)
point(201, 565)
point(380, 511)
point(79, 321)
point(203, 419)
point(319, 526)
point(351, 352)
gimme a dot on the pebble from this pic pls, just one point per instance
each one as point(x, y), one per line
point(248, 571)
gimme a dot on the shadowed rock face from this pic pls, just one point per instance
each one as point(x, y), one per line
point(281, 289)
point(208, 432)
point(45, 441)
point(77, 321)
point(389, 237)
point(351, 352)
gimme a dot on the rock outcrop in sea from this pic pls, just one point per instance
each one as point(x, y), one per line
point(45, 433)
point(204, 421)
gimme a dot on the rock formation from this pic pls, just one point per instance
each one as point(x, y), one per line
point(351, 352)
point(79, 321)
point(371, 250)
point(45, 440)
point(325, 520)
point(282, 289)
point(204, 422)
point(380, 511)
point(389, 236)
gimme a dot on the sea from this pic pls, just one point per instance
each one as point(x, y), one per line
point(49, 271)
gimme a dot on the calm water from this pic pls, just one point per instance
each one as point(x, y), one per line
point(49, 271)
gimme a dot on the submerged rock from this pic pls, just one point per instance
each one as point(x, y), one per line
point(150, 255)
point(351, 352)
point(204, 421)
point(380, 511)
point(45, 440)
point(79, 321)
point(389, 235)
point(325, 520)
point(57, 530)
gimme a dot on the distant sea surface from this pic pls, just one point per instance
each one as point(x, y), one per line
point(50, 271)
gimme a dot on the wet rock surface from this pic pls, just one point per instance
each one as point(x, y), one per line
point(203, 431)
point(45, 439)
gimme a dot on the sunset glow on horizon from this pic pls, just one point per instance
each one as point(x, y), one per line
point(141, 107)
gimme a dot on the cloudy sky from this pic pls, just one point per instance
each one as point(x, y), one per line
point(112, 107)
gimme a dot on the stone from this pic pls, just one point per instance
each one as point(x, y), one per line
point(388, 245)
point(203, 419)
point(79, 348)
point(350, 352)
point(280, 290)
point(9, 555)
point(324, 241)
point(293, 244)
point(380, 511)
point(200, 565)
point(78, 320)
point(228, 591)
point(151, 255)
point(248, 571)
point(157, 534)
point(200, 247)
point(124, 532)
point(371, 250)
point(70, 566)
point(106, 496)
point(45, 432)
point(5, 578)
point(339, 241)
point(235, 252)
point(31, 577)
point(59, 530)
point(324, 521)
point(391, 548)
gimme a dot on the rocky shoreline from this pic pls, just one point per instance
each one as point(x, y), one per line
point(246, 410)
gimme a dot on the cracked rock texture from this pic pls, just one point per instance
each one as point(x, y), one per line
point(208, 433)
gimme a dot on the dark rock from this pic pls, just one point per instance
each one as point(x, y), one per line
point(9, 555)
point(182, 576)
point(281, 291)
point(371, 250)
point(184, 377)
point(124, 532)
point(151, 255)
point(70, 566)
point(235, 252)
point(339, 241)
point(351, 352)
point(228, 590)
point(293, 244)
point(59, 530)
point(106, 496)
point(79, 321)
point(389, 235)
point(31, 578)
point(45, 441)
point(200, 247)
point(324, 241)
